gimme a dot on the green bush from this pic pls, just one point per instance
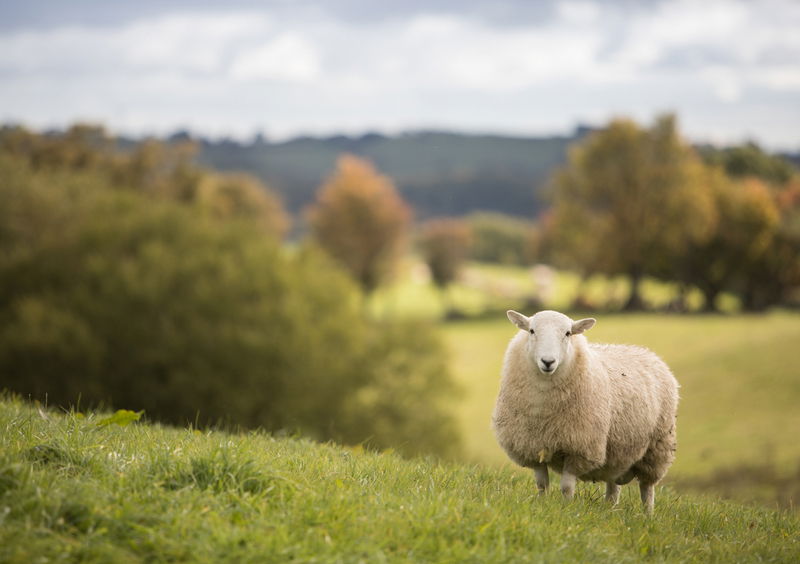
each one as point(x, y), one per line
point(111, 297)
point(405, 403)
point(502, 239)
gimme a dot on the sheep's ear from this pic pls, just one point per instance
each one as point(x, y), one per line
point(519, 320)
point(582, 325)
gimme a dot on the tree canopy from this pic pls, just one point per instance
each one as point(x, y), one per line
point(627, 198)
point(361, 221)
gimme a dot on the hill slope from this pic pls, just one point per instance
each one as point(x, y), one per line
point(73, 488)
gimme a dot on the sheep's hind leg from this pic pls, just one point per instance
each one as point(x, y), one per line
point(567, 483)
point(542, 477)
point(648, 492)
point(612, 493)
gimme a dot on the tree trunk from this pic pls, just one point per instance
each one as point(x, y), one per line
point(635, 302)
point(710, 300)
point(581, 302)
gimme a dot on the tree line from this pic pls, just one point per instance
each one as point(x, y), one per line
point(630, 200)
point(640, 201)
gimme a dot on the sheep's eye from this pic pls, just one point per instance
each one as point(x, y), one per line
point(532, 332)
point(569, 333)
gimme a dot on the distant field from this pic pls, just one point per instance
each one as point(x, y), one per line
point(484, 287)
point(740, 388)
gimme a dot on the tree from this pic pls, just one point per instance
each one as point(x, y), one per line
point(444, 244)
point(750, 160)
point(242, 196)
point(775, 272)
point(627, 198)
point(360, 220)
point(743, 236)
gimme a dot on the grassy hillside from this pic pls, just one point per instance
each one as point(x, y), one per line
point(74, 489)
point(740, 388)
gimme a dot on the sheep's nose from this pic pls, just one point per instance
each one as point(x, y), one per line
point(548, 362)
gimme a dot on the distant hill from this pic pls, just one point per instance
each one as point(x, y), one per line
point(439, 173)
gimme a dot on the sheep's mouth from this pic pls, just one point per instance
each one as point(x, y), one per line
point(547, 370)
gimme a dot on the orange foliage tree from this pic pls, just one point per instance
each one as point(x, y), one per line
point(743, 237)
point(360, 219)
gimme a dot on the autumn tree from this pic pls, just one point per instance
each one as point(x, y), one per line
point(742, 238)
point(627, 198)
point(774, 275)
point(360, 220)
point(755, 250)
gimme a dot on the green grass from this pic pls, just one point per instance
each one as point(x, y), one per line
point(72, 490)
point(740, 387)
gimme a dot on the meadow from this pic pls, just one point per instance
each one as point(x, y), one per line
point(87, 487)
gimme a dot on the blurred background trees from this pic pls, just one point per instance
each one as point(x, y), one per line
point(130, 275)
point(361, 221)
point(630, 196)
point(444, 246)
point(642, 202)
point(502, 239)
point(139, 281)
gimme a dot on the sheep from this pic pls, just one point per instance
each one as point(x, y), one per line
point(592, 412)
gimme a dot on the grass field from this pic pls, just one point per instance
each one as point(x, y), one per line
point(75, 490)
point(740, 392)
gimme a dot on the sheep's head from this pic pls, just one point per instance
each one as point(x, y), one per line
point(549, 336)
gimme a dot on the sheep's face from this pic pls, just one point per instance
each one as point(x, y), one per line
point(549, 337)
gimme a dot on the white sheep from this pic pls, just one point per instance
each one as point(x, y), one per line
point(593, 412)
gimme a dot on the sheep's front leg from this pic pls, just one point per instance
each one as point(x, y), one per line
point(568, 482)
point(612, 493)
point(542, 477)
point(648, 492)
point(574, 466)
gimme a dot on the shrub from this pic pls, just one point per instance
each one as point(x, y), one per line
point(110, 296)
point(502, 239)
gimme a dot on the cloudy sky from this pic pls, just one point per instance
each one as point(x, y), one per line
point(729, 69)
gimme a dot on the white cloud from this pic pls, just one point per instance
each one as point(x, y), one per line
point(579, 12)
point(244, 69)
point(288, 56)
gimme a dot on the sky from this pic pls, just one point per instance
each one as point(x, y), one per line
point(729, 69)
